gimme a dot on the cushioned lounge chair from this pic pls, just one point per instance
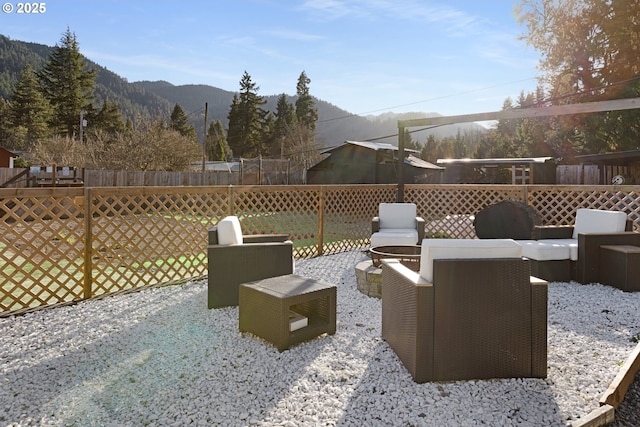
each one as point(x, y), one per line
point(472, 312)
point(235, 259)
point(396, 224)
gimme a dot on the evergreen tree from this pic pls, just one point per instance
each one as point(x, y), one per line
point(29, 109)
point(303, 147)
point(5, 123)
point(270, 145)
point(246, 120)
point(216, 143)
point(306, 110)
point(430, 151)
point(180, 123)
point(67, 84)
point(108, 119)
point(284, 126)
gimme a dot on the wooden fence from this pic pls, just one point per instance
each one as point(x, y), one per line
point(248, 172)
point(67, 244)
point(256, 172)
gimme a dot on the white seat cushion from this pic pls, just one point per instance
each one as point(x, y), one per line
point(399, 236)
point(229, 231)
point(547, 250)
point(599, 221)
point(464, 248)
point(397, 215)
point(572, 244)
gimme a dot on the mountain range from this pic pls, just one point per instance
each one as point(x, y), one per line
point(148, 99)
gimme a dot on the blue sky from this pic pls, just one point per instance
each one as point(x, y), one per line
point(365, 56)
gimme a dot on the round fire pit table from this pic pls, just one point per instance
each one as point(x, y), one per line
point(408, 255)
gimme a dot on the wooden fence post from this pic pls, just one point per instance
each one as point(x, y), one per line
point(88, 241)
point(321, 221)
point(230, 199)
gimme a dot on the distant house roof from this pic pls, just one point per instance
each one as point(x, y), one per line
point(11, 152)
point(370, 145)
point(410, 159)
point(619, 158)
point(495, 161)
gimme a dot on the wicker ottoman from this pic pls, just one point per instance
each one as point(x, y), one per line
point(620, 267)
point(287, 310)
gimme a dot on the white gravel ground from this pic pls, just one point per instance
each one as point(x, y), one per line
point(159, 357)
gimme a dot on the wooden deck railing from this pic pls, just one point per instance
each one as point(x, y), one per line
point(67, 244)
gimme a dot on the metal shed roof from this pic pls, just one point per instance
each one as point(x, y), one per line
point(370, 145)
point(617, 158)
point(495, 161)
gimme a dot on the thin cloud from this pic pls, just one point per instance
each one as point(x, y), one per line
point(328, 10)
point(452, 20)
point(147, 62)
point(294, 35)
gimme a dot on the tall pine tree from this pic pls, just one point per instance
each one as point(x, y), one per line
point(246, 120)
point(304, 149)
point(180, 123)
point(306, 110)
point(29, 109)
point(216, 147)
point(108, 119)
point(285, 125)
point(67, 84)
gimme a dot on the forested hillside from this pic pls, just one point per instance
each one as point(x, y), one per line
point(153, 99)
point(132, 100)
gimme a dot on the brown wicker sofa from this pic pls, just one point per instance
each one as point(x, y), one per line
point(467, 317)
point(235, 259)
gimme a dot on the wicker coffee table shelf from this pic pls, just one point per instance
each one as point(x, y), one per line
point(264, 308)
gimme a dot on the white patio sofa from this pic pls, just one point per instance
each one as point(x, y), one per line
point(565, 253)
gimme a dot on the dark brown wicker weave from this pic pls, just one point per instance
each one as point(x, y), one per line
point(479, 319)
point(259, 257)
point(265, 306)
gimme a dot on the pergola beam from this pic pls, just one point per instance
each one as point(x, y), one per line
point(521, 113)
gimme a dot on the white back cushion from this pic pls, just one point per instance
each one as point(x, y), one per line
point(397, 215)
point(229, 231)
point(464, 248)
point(599, 221)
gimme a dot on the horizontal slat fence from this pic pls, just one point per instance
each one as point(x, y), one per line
point(59, 245)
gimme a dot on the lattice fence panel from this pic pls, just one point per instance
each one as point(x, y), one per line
point(348, 211)
point(41, 248)
point(558, 205)
point(282, 210)
point(148, 235)
point(145, 236)
point(449, 210)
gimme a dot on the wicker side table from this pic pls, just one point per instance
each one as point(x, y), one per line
point(265, 307)
point(620, 266)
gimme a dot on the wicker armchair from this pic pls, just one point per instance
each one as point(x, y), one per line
point(396, 224)
point(235, 259)
point(465, 318)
